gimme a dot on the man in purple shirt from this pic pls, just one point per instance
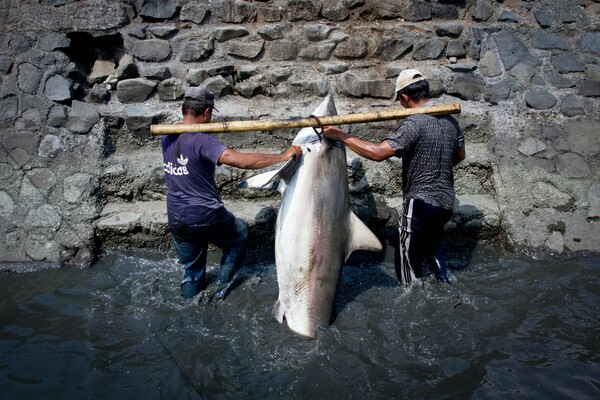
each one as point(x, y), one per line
point(429, 147)
point(196, 214)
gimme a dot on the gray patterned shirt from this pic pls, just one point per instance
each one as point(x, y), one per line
point(427, 146)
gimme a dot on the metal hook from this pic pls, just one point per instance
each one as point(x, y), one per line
point(319, 134)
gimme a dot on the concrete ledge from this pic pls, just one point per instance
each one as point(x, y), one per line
point(144, 224)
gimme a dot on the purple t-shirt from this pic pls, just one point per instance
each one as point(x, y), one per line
point(190, 160)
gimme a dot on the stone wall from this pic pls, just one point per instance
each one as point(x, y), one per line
point(82, 81)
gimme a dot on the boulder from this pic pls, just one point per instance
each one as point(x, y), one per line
point(82, 117)
point(540, 99)
point(135, 90)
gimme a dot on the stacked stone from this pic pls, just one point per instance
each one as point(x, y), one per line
point(82, 81)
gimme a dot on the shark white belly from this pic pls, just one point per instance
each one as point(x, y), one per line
point(316, 230)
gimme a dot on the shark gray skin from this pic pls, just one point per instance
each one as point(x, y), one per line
point(316, 231)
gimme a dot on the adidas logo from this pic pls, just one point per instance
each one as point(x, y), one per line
point(181, 160)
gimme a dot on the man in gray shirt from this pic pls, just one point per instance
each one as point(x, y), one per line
point(429, 147)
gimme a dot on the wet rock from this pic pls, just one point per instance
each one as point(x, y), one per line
point(197, 50)
point(443, 11)
point(135, 90)
point(245, 49)
point(590, 43)
point(589, 88)
point(274, 32)
point(547, 41)
point(318, 51)
point(416, 10)
point(593, 72)
point(496, 92)
point(581, 137)
point(7, 204)
point(170, 90)
point(232, 11)
point(523, 73)
point(158, 9)
point(559, 81)
point(593, 197)
point(567, 16)
point(50, 146)
point(567, 62)
point(546, 195)
point(257, 84)
point(507, 16)
point(365, 84)
point(225, 34)
point(9, 108)
point(572, 106)
point(53, 41)
point(428, 49)
point(29, 78)
point(390, 49)
point(466, 86)
point(218, 85)
point(302, 10)
point(353, 47)
point(555, 242)
point(82, 117)
point(571, 165)
point(57, 116)
point(77, 187)
point(127, 69)
point(334, 10)
point(101, 70)
point(450, 30)
point(138, 32)
point(532, 146)
point(156, 72)
point(482, 11)
point(543, 18)
point(58, 88)
point(317, 32)
point(455, 48)
point(5, 64)
point(279, 75)
point(333, 68)
point(151, 49)
point(41, 247)
point(162, 32)
point(196, 76)
point(540, 99)
point(489, 65)
point(194, 12)
point(283, 50)
point(462, 67)
point(269, 14)
point(44, 216)
point(138, 120)
point(513, 51)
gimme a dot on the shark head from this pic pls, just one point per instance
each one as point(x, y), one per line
point(308, 135)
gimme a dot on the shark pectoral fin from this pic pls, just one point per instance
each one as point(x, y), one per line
point(361, 237)
point(289, 169)
point(261, 181)
point(270, 180)
point(279, 311)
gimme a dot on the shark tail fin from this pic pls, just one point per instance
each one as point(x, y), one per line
point(361, 237)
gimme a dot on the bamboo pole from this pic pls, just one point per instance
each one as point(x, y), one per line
point(267, 125)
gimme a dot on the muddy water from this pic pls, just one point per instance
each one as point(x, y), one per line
point(510, 327)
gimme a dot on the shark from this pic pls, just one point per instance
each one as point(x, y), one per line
point(316, 229)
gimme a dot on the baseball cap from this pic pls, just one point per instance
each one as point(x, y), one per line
point(406, 78)
point(201, 95)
